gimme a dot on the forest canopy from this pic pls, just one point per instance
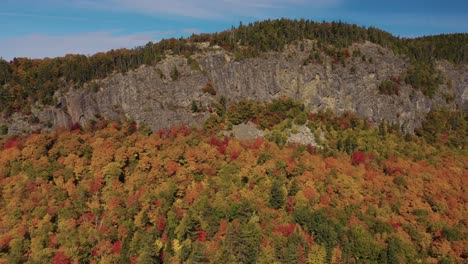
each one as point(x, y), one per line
point(113, 193)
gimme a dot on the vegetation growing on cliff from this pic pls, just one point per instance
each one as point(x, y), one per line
point(110, 194)
point(24, 81)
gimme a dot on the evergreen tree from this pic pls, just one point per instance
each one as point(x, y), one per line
point(276, 195)
point(198, 253)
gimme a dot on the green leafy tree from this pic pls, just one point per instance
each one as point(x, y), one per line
point(400, 252)
point(361, 245)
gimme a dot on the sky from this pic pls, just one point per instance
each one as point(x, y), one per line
point(50, 28)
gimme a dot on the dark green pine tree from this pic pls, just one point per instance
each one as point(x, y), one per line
point(276, 195)
point(198, 253)
point(294, 188)
point(249, 246)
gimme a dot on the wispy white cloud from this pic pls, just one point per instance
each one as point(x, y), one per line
point(19, 14)
point(41, 45)
point(206, 9)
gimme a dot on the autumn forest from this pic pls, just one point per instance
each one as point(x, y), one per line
point(115, 192)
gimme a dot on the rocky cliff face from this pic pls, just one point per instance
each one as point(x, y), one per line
point(162, 95)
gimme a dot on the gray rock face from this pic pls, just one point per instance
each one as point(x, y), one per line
point(304, 136)
point(149, 95)
point(247, 131)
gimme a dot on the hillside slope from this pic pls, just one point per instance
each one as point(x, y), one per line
point(113, 195)
point(330, 65)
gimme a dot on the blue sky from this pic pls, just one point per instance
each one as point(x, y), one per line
point(49, 28)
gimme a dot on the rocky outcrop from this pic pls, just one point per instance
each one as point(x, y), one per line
point(162, 95)
point(302, 135)
point(246, 131)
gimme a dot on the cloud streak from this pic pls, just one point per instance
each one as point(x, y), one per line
point(205, 9)
point(16, 14)
point(42, 45)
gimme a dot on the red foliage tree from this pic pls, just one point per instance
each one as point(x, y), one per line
point(115, 125)
point(222, 149)
point(132, 128)
point(95, 185)
point(223, 226)
point(311, 117)
point(161, 223)
point(12, 143)
point(53, 241)
point(234, 155)
point(104, 230)
point(171, 167)
point(162, 133)
point(185, 130)
point(285, 230)
point(117, 247)
point(173, 132)
point(87, 218)
point(311, 149)
point(309, 239)
point(202, 235)
point(325, 199)
point(258, 143)
point(344, 124)
point(309, 193)
point(290, 204)
point(395, 225)
point(221, 144)
point(301, 256)
point(358, 157)
point(60, 258)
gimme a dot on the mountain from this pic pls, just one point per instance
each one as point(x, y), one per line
point(277, 142)
point(333, 66)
